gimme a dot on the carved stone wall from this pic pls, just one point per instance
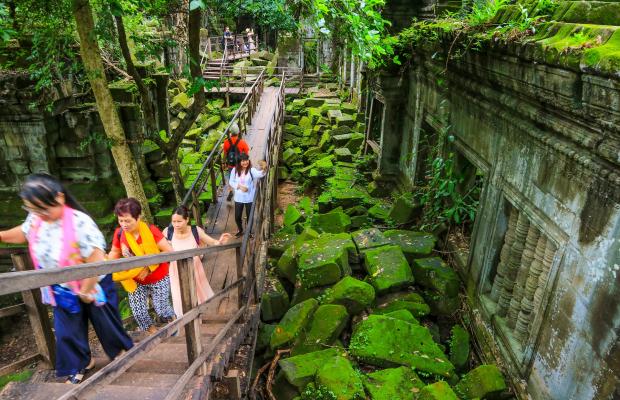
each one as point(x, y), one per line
point(544, 262)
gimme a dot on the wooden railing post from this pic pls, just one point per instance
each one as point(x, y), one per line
point(213, 183)
point(37, 313)
point(196, 209)
point(240, 261)
point(188, 301)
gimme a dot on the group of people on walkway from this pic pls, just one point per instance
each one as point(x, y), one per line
point(238, 42)
point(60, 233)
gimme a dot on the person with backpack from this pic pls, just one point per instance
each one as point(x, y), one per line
point(136, 238)
point(243, 179)
point(184, 236)
point(234, 146)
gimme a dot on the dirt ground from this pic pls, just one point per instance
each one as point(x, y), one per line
point(287, 194)
point(16, 340)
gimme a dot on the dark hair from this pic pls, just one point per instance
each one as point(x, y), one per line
point(182, 211)
point(243, 157)
point(128, 206)
point(41, 190)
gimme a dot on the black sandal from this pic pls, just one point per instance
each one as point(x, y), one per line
point(75, 379)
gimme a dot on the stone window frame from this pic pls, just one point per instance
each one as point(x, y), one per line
point(521, 364)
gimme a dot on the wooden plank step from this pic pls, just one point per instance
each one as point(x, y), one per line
point(159, 367)
point(147, 379)
point(48, 391)
point(174, 352)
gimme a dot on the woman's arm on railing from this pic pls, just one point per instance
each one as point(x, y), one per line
point(87, 285)
point(13, 235)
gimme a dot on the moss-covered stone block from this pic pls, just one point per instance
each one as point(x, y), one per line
point(387, 342)
point(410, 301)
point(387, 268)
point(264, 336)
point(403, 315)
point(434, 274)
point(274, 301)
point(331, 222)
point(360, 221)
point(345, 120)
point(292, 324)
point(322, 265)
point(314, 102)
point(292, 216)
point(439, 390)
point(392, 384)
point(441, 304)
point(368, 238)
point(290, 156)
point(300, 370)
point(404, 210)
point(355, 142)
point(414, 244)
point(352, 293)
point(348, 108)
point(459, 347)
point(301, 293)
point(327, 324)
point(338, 377)
point(484, 382)
point(343, 154)
point(380, 211)
point(286, 266)
point(280, 242)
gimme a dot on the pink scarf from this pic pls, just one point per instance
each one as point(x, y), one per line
point(69, 255)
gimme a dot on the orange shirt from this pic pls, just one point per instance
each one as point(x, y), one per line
point(242, 146)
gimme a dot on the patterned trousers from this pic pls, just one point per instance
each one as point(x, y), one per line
point(160, 297)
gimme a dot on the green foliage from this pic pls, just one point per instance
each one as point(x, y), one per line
point(356, 24)
point(96, 138)
point(270, 14)
point(483, 12)
point(15, 377)
point(6, 31)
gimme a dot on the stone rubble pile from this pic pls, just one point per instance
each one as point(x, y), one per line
point(366, 312)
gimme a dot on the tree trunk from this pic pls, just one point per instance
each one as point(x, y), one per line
point(175, 174)
point(147, 103)
point(91, 57)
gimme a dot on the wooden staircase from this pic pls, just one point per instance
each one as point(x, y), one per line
point(214, 69)
point(155, 373)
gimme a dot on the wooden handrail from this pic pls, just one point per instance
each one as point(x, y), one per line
point(217, 147)
point(11, 282)
point(115, 368)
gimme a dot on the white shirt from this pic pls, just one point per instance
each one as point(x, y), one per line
point(249, 180)
point(49, 243)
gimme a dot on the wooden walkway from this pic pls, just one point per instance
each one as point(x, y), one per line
point(154, 374)
point(221, 268)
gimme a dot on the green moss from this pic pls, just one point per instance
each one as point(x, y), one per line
point(274, 301)
point(605, 57)
point(386, 342)
point(338, 376)
point(291, 325)
point(387, 268)
point(403, 315)
point(15, 377)
point(368, 238)
point(300, 370)
point(412, 302)
point(437, 391)
point(459, 347)
point(322, 265)
point(352, 293)
point(434, 274)
point(332, 222)
point(393, 383)
point(485, 381)
point(327, 323)
point(280, 242)
point(413, 244)
point(292, 215)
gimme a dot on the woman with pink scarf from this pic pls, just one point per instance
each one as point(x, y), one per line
point(60, 234)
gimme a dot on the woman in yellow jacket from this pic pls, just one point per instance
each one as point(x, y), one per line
point(136, 238)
